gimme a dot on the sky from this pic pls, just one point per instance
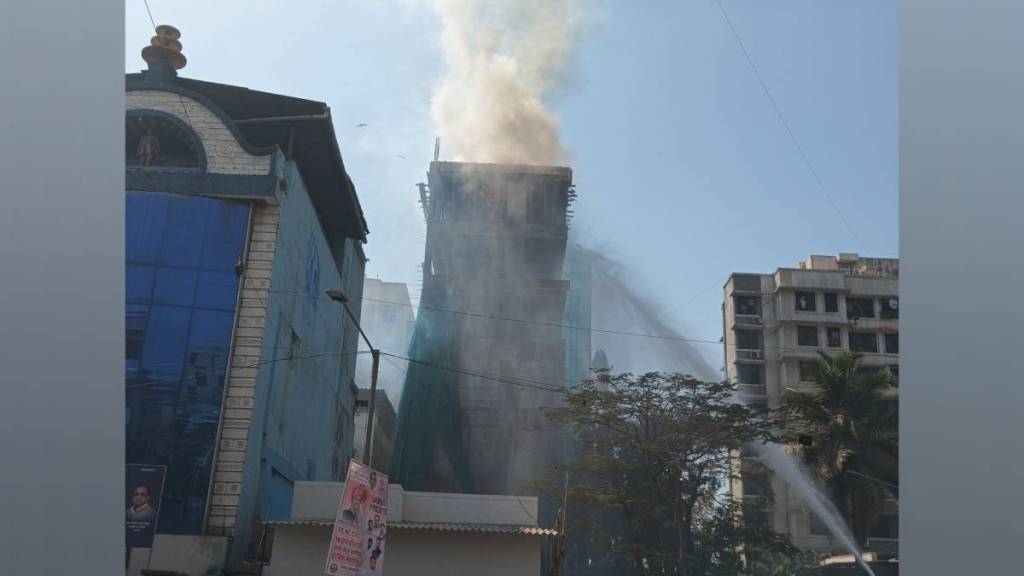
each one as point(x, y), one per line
point(684, 171)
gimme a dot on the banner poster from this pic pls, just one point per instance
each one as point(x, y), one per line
point(144, 485)
point(360, 525)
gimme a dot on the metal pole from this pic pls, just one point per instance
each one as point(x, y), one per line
point(339, 296)
point(368, 446)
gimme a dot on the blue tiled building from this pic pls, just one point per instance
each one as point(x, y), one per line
point(239, 372)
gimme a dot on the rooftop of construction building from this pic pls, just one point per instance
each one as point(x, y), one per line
point(462, 168)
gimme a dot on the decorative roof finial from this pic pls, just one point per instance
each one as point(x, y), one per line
point(164, 53)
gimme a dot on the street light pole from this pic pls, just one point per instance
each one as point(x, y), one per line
point(368, 446)
point(339, 296)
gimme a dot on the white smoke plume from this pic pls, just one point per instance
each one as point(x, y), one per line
point(503, 58)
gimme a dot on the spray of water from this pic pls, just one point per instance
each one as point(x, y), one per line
point(786, 466)
point(616, 302)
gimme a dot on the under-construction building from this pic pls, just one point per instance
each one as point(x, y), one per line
point(488, 352)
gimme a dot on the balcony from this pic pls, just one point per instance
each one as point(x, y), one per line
point(799, 353)
point(752, 390)
point(749, 354)
point(748, 320)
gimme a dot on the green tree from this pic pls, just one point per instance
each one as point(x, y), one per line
point(851, 418)
point(658, 454)
point(723, 533)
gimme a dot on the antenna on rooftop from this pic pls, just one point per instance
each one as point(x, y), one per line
point(437, 148)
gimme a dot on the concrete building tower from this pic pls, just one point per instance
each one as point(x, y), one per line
point(488, 352)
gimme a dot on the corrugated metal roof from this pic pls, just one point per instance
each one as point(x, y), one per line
point(508, 529)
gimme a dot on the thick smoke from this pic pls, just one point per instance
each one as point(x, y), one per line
point(503, 58)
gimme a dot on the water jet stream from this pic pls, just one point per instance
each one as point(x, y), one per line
point(786, 465)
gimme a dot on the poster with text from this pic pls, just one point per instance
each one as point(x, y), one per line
point(360, 525)
point(144, 484)
point(376, 524)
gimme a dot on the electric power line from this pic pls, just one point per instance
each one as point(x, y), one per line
point(503, 379)
point(200, 374)
point(785, 124)
point(580, 328)
point(396, 367)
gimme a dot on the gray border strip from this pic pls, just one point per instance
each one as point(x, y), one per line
point(62, 410)
point(962, 85)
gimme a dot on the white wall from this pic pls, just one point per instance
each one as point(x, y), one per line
point(302, 551)
point(319, 501)
point(193, 555)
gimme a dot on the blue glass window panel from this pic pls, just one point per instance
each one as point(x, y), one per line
point(183, 237)
point(176, 286)
point(133, 348)
point(211, 329)
point(224, 242)
point(138, 282)
point(176, 383)
point(145, 217)
point(136, 317)
point(166, 340)
point(217, 290)
point(131, 369)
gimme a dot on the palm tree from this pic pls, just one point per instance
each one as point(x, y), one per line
point(851, 420)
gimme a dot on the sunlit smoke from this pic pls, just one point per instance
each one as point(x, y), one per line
point(503, 58)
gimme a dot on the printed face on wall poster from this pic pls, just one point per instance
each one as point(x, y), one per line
point(144, 485)
point(360, 527)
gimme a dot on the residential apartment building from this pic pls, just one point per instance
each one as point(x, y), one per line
point(238, 372)
point(774, 327)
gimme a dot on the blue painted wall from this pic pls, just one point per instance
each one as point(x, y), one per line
point(303, 412)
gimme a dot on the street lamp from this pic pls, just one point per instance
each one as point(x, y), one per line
point(339, 296)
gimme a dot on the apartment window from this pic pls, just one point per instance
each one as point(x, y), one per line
point(868, 370)
point(887, 526)
point(863, 342)
point(805, 302)
point(749, 374)
point(831, 302)
point(894, 375)
point(892, 343)
point(818, 528)
point(748, 340)
point(757, 488)
point(756, 484)
point(857, 308)
point(747, 306)
point(807, 371)
point(807, 336)
point(835, 338)
point(890, 308)
point(757, 516)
